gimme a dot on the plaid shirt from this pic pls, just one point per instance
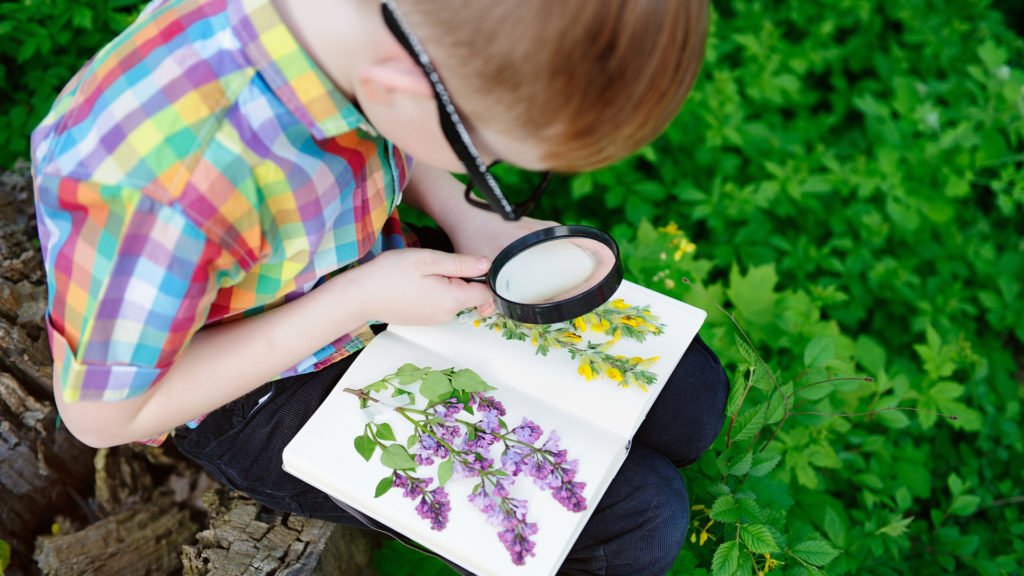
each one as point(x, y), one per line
point(199, 169)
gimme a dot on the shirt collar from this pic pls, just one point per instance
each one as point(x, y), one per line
point(291, 73)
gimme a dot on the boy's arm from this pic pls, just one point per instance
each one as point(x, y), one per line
point(471, 230)
point(224, 362)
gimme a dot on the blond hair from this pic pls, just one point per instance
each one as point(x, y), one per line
point(591, 80)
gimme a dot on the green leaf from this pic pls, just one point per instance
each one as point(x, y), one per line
point(397, 457)
point(742, 466)
point(754, 294)
point(815, 552)
point(412, 440)
point(383, 486)
point(819, 350)
point(436, 387)
point(365, 446)
point(747, 424)
point(835, 527)
point(726, 559)
point(897, 527)
point(444, 472)
point(763, 463)
point(758, 538)
point(467, 380)
point(5, 555)
point(409, 373)
point(725, 509)
point(384, 431)
point(965, 504)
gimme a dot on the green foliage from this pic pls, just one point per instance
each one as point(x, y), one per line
point(5, 556)
point(42, 44)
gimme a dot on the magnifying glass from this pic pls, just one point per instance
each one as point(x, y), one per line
point(554, 274)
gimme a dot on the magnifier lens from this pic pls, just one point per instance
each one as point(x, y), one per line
point(555, 270)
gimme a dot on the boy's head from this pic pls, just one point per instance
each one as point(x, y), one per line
point(566, 86)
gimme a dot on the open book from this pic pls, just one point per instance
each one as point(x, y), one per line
point(594, 419)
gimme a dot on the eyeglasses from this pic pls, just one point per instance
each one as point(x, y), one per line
point(480, 177)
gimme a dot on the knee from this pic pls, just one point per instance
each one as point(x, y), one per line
point(660, 514)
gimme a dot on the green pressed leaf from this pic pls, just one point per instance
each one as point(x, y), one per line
point(467, 380)
point(412, 440)
point(444, 472)
point(397, 457)
point(384, 431)
point(758, 538)
point(365, 446)
point(436, 387)
point(815, 552)
point(726, 559)
point(383, 486)
point(409, 373)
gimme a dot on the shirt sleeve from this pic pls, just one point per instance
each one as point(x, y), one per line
point(130, 281)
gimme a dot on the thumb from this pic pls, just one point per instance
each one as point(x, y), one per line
point(456, 265)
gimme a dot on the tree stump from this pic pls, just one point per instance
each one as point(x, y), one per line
point(144, 539)
point(245, 539)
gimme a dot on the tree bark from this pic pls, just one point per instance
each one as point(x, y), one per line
point(43, 471)
point(144, 539)
point(245, 539)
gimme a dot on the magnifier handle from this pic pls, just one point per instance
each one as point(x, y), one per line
point(480, 279)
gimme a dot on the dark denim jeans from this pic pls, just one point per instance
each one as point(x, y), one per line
point(637, 528)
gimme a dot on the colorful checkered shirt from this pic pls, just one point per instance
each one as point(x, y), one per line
point(200, 168)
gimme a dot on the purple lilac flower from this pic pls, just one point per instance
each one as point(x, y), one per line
point(433, 505)
point(484, 403)
point(516, 531)
point(472, 465)
point(448, 410)
point(528, 431)
point(514, 458)
point(429, 448)
point(551, 470)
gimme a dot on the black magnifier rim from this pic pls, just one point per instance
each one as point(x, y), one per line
point(561, 310)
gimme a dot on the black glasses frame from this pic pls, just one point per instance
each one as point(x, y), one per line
point(455, 130)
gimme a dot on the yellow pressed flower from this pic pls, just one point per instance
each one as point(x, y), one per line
point(619, 304)
point(648, 361)
point(614, 374)
point(585, 370)
point(533, 339)
point(572, 337)
point(633, 321)
point(601, 325)
point(476, 323)
point(580, 324)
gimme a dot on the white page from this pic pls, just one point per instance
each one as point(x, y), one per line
point(554, 377)
point(323, 455)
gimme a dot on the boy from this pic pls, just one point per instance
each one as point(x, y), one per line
point(234, 166)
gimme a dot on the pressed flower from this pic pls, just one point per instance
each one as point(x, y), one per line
point(572, 337)
point(619, 304)
point(476, 323)
point(633, 321)
point(585, 370)
point(601, 325)
point(614, 373)
point(580, 324)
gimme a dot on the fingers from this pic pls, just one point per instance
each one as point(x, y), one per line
point(455, 265)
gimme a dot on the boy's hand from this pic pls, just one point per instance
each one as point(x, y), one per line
point(421, 286)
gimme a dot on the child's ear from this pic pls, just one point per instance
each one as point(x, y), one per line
point(385, 80)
